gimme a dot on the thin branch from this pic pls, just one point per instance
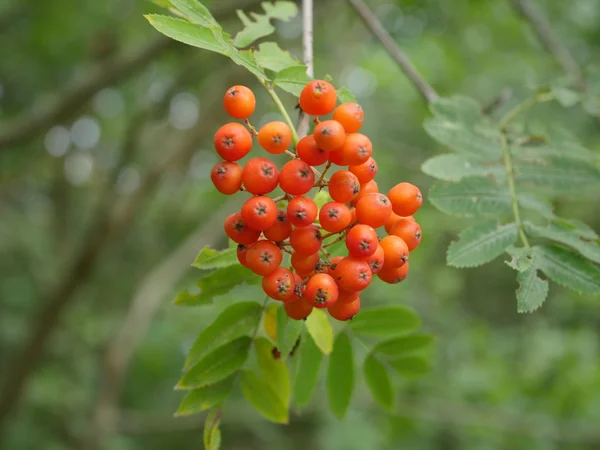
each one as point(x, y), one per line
point(307, 48)
point(545, 33)
point(397, 54)
point(143, 306)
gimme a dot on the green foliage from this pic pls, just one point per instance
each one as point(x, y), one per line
point(451, 167)
point(385, 321)
point(345, 95)
point(275, 371)
point(532, 290)
point(319, 328)
point(568, 269)
point(210, 259)
point(340, 375)
point(411, 366)
point(567, 236)
point(212, 432)
point(292, 79)
point(271, 57)
point(288, 332)
point(199, 400)
point(378, 381)
point(260, 24)
point(309, 365)
point(521, 258)
point(261, 394)
point(403, 345)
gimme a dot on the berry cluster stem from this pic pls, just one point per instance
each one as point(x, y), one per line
point(337, 239)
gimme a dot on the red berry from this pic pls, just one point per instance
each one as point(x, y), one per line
point(263, 257)
point(394, 275)
point(309, 152)
point(406, 199)
point(350, 115)
point(334, 217)
point(329, 135)
point(280, 285)
point(366, 171)
point(305, 263)
point(321, 291)
point(280, 230)
point(296, 177)
point(275, 137)
point(302, 211)
point(395, 251)
point(377, 260)
point(259, 213)
point(409, 231)
point(368, 188)
point(343, 186)
point(298, 310)
point(232, 141)
point(241, 254)
point(306, 240)
point(344, 311)
point(260, 176)
point(227, 177)
point(239, 102)
point(318, 98)
point(357, 149)
point(373, 210)
point(353, 274)
point(239, 231)
point(361, 241)
point(337, 157)
point(347, 296)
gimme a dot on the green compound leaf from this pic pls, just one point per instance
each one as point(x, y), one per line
point(568, 269)
point(288, 332)
point(470, 197)
point(189, 33)
point(451, 167)
point(209, 259)
point(403, 345)
point(292, 79)
point(345, 95)
point(521, 258)
point(537, 204)
point(199, 400)
point(259, 25)
point(411, 366)
point(378, 381)
point(274, 370)
point(457, 109)
point(195, 11)
point(320, 329)
point(481, 243)
point(309, 365)
point(566, 97)
point(218, 283)
point(477, 140)
point(270, 56)
point(566, 236)
point(560, 176)
point(212, 433)
point(340, 376)
point(263, 397)
point(583, 230)
point(239, 319)
point(385, 321)
point(532, 292)
point(217, 365)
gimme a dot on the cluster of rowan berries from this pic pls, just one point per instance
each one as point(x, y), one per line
point(263, 231)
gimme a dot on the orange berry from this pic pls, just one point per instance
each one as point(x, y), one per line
point(239, 231)
point(280, 285)
point(305, 263)
point(302, 211)
point(391, 221)
point(309, 152)
point(321, 291)
point(376, 260)
point(347, 296)
point(373, 209)
point(357, 149)
point(361, 241)
point(393, 275)
point(318, 98)
point(259, 212)
point(364, 189)
point(353, 274)
point(406, 199)
point(337, 157)
point(350, 115)
point(329, 135)
point(409, 231)
point(334, 217)
point(395, 251)
point(241, 254)
point(306, 240)
point(232, 141)
point(260, 176)
point(366, 171)
point(281, 229)
point(296, 177)
point(239, 102)
point(275, 137)
point(298, 310)
point(344, 311)
point(263, 257)
point(343, 186)
point(334, 261)
point(227, 177)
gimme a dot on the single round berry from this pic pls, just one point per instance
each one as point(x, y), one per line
point(366, 171)
point(227, 177)
point(377, 260)
point(241, 254)
point(329, 135)
point(296, 177)
point(309, 152)
point(275, 137)
point(395, 251)
point(259, 213)
point(357, 149)
point(281, 229)
point(334, 217)
point(409, 231)
point(361, 241)
point(350, 115)
point(306, 264)
point(318, 98)
point(353, 274)
point(364, 189)
point(373, 210)
point(232, 141)
point(306, 240)
point(321, 290)
point(391, 221)
point(239, 102)
point(337, 157)
point(263, 257)
point(298, 310)
point(260, 176)
point(239, 231)
point(347, 296)
point(344, 311)
point(406, 199)
point(343, 186)
point(301, 211)
point(334, 262)
point(393, 275)
point(280, 285)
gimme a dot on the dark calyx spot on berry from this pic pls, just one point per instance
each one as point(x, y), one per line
point(298, 290)
point(228, 141)
point(373, 167)
point(241, 247)
point(239, 226)
point(233, 92)
point(384, 200)
point(418, 235)
point(363, 275)
point(283, 287)
point(266, 257)
point(277, 138)
point(419, 196)
point(355, 188)
point(362, 150)
point(304, 173)
point(404, 258)
point(261, 209)
point(281, 217)
point(319, 89)
point(318, 236)
point(365, 245)
point(333, 213)
point(326, 131)
point(375, 264)
point(321, 297)
point(221, 170)
point(267, 170)
point(301, 214)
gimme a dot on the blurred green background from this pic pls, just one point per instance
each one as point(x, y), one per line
point(105, 198)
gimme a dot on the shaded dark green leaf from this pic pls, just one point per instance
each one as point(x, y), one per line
point(309, 365)
point(403, 345)
point(385, 321)
point(292, 79)
point(340, 375)
point(568, 269)
point(199, 400)
point(378, 381)
point(411, 366)
point(263, 397)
